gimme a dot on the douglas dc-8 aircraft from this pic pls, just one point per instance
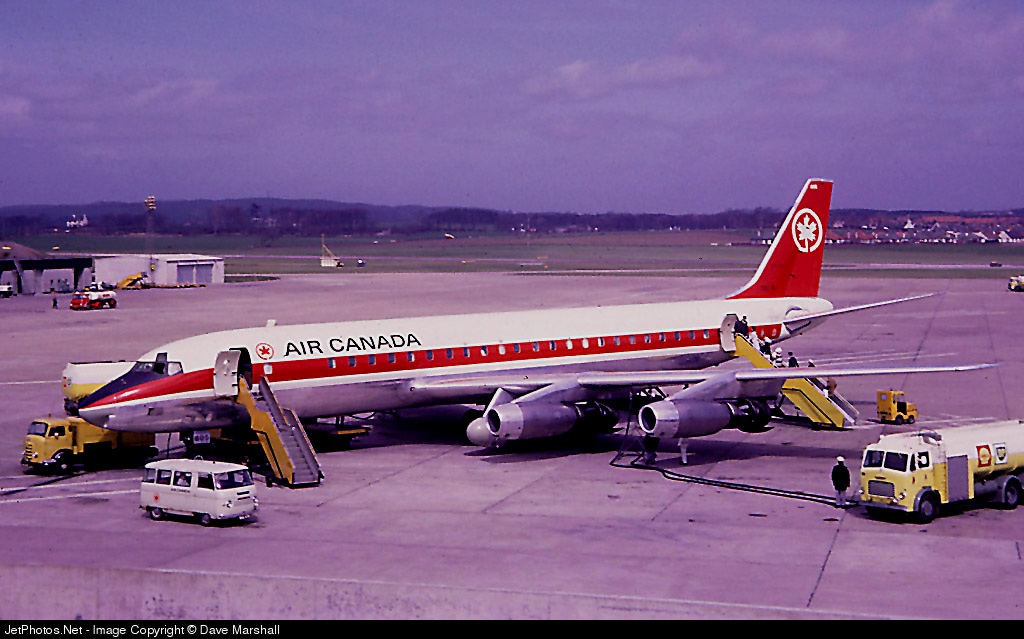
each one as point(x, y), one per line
point(537, 373)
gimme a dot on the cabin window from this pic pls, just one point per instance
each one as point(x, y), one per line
point(552, 346)
point(483, 350)
point(430, 356)
point(449, 353)
point(706, 333)
point(692, 335)
point(465, 352)
point(678, 336)
point(205, 480)
point(501, 349)
point(632, 339)
point(268, 369)
point(163, 476)
point(536, 347)
point(584, 343)
point(150, 476)
point(568, 344)
point(516, 348)
point(371, 360)
point(391, 358)
point(617, 340)
point(661, 337)
point(330, 362)
point(182, 479)
point(351, 362)
point(647, 338)
point(410, 356)
point(600, 341)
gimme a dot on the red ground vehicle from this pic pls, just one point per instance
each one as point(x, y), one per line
point(93, 299)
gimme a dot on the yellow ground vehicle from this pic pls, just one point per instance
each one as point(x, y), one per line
point(893, 408)
point(1016, 283)
point(919, 472)
point(62, 442)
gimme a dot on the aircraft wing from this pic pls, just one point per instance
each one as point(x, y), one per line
point(521, 384)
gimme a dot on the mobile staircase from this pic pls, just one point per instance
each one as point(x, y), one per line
point(808, 395)
point(291, 457)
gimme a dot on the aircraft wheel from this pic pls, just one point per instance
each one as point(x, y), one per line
point(156, 514)
point(928, 510)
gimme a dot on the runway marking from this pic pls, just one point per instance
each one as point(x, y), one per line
point(107, 492)
point(37, 381)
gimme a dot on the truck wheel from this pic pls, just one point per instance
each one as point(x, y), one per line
point(156, 514)
point(1011, 494)
point(204, 519)
point(928, 509)
point(62, 462)
point(910, 420)
point(899, 420)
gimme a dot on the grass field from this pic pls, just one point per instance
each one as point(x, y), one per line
point(666, 254)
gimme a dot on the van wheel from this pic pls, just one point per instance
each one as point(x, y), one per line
point(204, 519)
point(156, 514)
point(928, 510)
point(1011, 494)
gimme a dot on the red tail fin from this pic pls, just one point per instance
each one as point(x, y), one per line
point(792, 266)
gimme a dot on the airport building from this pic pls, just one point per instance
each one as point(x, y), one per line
point(161, 269)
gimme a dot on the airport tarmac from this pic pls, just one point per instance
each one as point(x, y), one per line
point(414, 523)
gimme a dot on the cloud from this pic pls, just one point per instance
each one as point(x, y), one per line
point(585, 79)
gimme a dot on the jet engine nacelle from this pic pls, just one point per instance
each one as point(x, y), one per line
point(527, 420)
point(691, 418)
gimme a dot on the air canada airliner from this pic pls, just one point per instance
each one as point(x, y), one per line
point(533, 374)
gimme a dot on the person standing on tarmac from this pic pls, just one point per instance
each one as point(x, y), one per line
point(840, 481)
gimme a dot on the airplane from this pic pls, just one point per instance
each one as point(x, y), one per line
point(537, 374)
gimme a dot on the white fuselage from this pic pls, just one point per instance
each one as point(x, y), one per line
point(343, 368)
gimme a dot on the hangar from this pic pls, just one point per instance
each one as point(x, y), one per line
point(161, 269)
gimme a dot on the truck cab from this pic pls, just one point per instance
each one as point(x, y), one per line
point(903, 474)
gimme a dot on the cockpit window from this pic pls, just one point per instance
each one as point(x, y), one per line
point(157, 368)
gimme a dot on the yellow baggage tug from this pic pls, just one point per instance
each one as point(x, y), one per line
point(919, 472)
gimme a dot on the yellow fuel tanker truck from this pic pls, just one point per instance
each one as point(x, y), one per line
point(919, 472)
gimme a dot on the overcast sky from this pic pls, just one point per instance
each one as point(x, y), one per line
point(529, 105)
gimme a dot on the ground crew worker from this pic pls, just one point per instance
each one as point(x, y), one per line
point(792, 360)
point(840, 481)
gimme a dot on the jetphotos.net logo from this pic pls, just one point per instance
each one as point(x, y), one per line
point(807, 232)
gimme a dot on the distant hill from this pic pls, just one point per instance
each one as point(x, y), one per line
point(311, 217)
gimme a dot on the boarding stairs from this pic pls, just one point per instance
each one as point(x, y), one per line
point(809, 395)
point(291, 457)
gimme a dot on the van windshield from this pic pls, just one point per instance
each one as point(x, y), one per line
point(233, 479)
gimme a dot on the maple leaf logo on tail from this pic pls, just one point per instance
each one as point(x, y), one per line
point(806, 231)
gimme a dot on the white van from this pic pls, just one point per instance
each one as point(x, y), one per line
point(206, 490)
